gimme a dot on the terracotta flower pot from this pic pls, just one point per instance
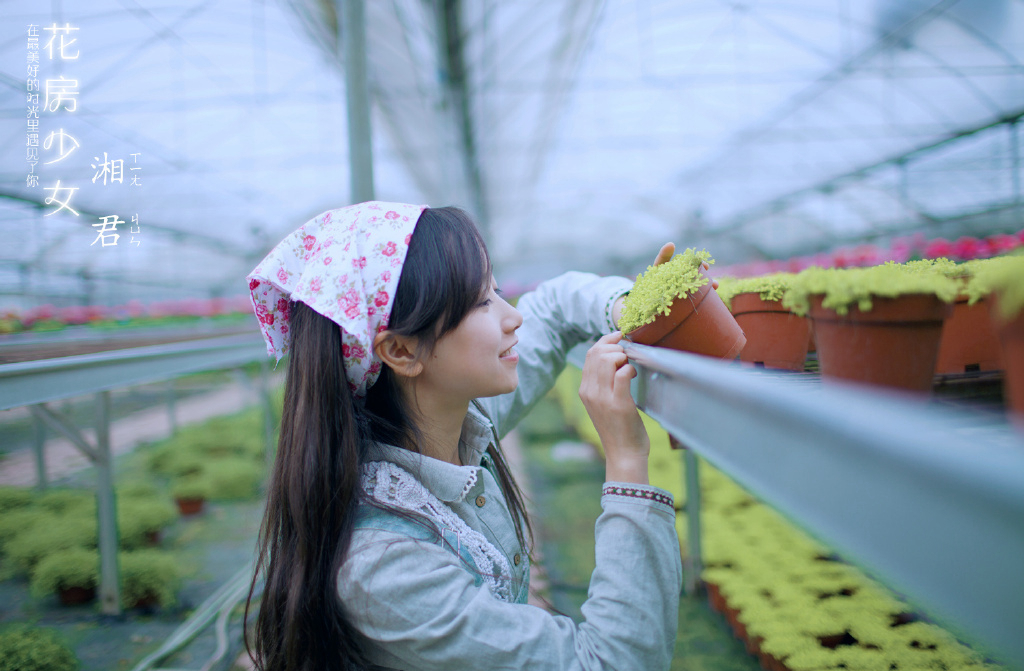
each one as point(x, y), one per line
point(776, 337)
point(699, 323)
point(73, 596)
point(896, 344)
point(190, 506)
point(1011, 336)
point(969, 341)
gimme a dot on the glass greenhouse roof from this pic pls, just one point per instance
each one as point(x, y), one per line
point(581, 133)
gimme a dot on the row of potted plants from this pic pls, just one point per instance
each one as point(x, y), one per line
point(134, 313)
point(29, 648)
point(882, 324)
point(51, 539)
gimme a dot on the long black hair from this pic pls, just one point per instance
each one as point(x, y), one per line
point(314, 487)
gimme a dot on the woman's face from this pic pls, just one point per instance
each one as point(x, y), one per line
point(476, 359)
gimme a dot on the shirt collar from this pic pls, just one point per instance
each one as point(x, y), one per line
point(448, 482)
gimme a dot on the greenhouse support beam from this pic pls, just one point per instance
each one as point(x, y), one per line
point(106, 510)
point(357, 96)
point(39, 451)
point(927, 500)
point(106, 507)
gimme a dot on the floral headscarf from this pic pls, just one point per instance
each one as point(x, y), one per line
point(344, 264)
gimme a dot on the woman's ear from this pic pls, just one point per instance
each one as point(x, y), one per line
point(398, 353)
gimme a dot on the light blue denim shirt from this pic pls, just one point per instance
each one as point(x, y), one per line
point(421, 601)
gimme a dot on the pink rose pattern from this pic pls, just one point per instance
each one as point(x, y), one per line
point(355, 290)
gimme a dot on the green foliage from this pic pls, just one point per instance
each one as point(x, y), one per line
point(138, 517)
point(1003, 276)
point(149, 573)
point(223, 458)
point(74, 567)
point(13, 522)
point(657, 288)
point(24, 648)
point(50, 533)
point(233, 478)
point(845, 287)
point(769, 287)
point(190, 487)
point(61, 501)
point(13, 498)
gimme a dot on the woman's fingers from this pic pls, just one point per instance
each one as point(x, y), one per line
point(665, 253)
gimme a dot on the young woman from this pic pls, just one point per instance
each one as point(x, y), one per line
point(395, 536)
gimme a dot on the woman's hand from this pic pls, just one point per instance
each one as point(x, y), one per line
point(605, 394)
point(664, 255)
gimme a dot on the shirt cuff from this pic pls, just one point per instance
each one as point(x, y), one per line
point(628, 492)
point(617, 293)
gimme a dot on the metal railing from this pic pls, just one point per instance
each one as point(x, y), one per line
point(929, 500)
point(34, 383)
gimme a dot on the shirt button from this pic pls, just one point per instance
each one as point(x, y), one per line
point(480, 501)
point(517, 559)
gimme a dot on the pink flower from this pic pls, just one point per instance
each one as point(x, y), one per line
point(937, 247)
point(389, 249)
point(409, 237)
point(352, 311)
point(357, 352)
point(359, 263)
point(327, 260)
point(374, 367)
point(308, 242)
point(282, 275)
point(345, 350)
point(282, 307)
point(391, 215)
point(283, 328)
point(971, 248)
point(327, 218)
point(253, 283)
point(1002, 242)
point(370, 310)
point(381, 299)
point(386, 275)
point(314, 285)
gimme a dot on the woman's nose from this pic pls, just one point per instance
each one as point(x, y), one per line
point(514, 319)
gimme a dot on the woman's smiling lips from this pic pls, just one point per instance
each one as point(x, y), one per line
point(510, 354)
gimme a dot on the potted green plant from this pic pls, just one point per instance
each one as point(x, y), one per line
point(50, 533)
point(879, 325)
point(25, 648)
point(140, 519)
point(233, 478)
point(72, 574)
point(1003, 279)
point(190, 492)
point(969, 342)
point(675, 305)
point(776, 338)
point(149, 578)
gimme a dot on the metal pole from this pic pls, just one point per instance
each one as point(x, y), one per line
point(357, 94)
point(693, 565)
point(268, 412)
point(39, 447)
point(1015, 159)
point(172, 413)
point(106, 510)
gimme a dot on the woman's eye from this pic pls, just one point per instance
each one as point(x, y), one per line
point(484, 303)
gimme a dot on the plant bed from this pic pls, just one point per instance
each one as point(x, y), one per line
point(674, 305)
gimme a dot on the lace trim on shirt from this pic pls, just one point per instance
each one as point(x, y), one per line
point(394, 486)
